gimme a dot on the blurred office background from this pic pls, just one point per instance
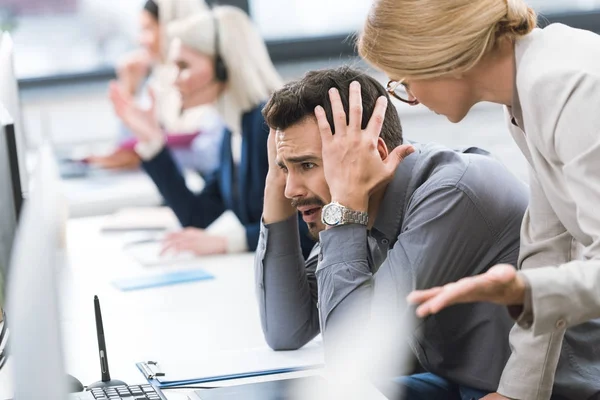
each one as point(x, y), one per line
point(66, 50)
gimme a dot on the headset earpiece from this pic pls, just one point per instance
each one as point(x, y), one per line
point(221, 72)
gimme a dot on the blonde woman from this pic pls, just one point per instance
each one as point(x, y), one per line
point(195, 132)
point(451, 55)
point(222, 60)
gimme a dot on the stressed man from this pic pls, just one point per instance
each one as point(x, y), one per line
point(390, 218)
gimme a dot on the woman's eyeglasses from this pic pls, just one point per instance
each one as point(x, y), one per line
point(401, 91)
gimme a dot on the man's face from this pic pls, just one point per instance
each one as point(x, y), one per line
point(299, 156)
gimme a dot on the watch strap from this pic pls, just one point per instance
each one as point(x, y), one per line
point(354, 217)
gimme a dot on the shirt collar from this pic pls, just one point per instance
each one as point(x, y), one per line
point(521, 46)
point(391, 210)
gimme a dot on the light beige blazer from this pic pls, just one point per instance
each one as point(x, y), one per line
point(555, 120)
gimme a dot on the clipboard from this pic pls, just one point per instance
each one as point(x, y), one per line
point(227, 365)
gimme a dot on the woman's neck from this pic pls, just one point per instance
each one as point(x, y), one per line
point(494, 77)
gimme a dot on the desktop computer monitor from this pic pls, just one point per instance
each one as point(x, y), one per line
point(12, 154)
point(9, 97)
point(32, 293)
point(8, 207)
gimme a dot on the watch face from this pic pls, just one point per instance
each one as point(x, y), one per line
point(332, 214)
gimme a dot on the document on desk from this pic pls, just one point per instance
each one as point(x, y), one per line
point(230, 364)
point(141, 218)
point(161, 279)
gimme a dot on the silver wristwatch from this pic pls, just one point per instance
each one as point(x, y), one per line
point(335, 214)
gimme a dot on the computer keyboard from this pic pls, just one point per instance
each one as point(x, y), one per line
point(133, 392)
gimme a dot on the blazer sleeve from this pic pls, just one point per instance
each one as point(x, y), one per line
point(564, 292)
point(573, 294)
point(191, 210)
point(529, 372)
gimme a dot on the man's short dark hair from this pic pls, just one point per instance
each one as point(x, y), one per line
point(297, 100)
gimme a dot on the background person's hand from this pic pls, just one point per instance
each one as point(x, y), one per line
point(133, 69)
point(352, 164)
point(194, 240)
point(120, 159)
point(500, 284)
point(141, 122)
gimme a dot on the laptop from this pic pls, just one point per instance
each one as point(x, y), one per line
point(283, 389)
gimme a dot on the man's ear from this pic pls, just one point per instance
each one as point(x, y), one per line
point(382, 148)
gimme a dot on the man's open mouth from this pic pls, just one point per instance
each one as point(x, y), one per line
point(311, 211)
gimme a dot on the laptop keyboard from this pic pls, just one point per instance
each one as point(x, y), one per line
point(133, 392)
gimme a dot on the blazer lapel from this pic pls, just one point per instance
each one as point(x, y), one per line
point(227, 171)
point(242, 181)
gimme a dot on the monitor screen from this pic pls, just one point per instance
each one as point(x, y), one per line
point(9, 97)
point(8, 209)
point(13, 160)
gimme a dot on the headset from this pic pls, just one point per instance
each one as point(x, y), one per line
point(221, 72)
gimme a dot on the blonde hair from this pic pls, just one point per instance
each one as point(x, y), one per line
point(251, 74)
point(175, 10)
point(424, 39)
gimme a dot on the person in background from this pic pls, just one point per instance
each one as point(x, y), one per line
point(453, 55)
point(193, 135)
point(222, 60)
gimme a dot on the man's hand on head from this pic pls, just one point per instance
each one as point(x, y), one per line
point(353, 165)
point(275, 176)
point(277, 207)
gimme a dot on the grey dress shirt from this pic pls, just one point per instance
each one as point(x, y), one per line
point(445, 215)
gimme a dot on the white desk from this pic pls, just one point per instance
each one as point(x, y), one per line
point(104, 192)
point(181, 323)
point(187, 321)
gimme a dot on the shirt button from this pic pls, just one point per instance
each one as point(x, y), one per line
point(560, 324)
point(385, 241)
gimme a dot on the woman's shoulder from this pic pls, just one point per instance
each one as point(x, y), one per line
point(555, 52)
point(558, 82)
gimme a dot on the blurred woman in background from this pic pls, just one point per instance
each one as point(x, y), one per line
point(194, 135)
point(222, 60)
